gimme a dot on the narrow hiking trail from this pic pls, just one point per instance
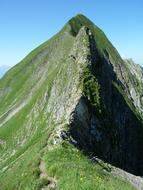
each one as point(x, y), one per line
point(43, 174)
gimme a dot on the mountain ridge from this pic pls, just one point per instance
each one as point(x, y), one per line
point(69, 97)
point(3, 70)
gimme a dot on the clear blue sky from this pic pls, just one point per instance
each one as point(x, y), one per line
point(25, 24)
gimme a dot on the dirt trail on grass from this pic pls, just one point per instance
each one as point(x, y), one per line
point(43, 174)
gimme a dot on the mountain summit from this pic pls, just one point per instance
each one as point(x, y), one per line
point(70, 113)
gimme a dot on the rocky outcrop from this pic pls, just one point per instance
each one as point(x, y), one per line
point(135, 84)
point(106, 124)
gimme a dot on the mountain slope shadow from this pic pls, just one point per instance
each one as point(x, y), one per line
point(110, 129)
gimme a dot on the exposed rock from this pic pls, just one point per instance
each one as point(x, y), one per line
point(111, 129)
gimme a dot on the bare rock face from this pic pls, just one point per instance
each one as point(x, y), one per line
point(109, 128)
point(135, 84)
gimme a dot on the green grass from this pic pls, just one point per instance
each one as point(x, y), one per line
point(91, 88)
point(74, 171)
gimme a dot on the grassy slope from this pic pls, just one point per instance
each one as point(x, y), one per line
point(74, 171)
point(25, 136)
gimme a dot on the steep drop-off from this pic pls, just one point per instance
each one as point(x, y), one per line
point(70, 100)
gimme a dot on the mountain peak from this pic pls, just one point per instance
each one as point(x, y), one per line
point(81, 16)
point(77, 22)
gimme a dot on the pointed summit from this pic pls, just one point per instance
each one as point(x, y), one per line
point(81, 17)
point(78, 22)
point(102, 42)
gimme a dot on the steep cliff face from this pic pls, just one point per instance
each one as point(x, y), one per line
point(75, 89)
point(105, 121)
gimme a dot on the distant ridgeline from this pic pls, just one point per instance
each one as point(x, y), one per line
point(3, 69)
